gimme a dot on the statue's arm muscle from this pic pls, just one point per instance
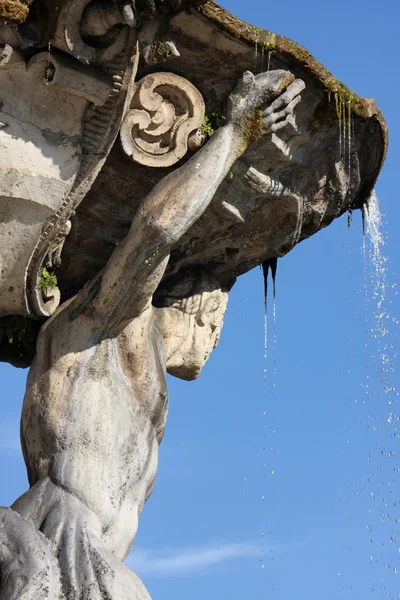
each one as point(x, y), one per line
point(137, 265)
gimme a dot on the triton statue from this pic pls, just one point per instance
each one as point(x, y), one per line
point(144, 252)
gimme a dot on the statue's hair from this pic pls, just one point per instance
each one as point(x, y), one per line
point(185, 291)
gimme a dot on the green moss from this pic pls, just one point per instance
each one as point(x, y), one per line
point(269, 40)
point(346, 102)
point(47, 280)
point(206, 127)
point(213, 122)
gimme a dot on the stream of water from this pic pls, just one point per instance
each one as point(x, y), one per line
point(269, 425)
point(371, 448)
point(380, 400)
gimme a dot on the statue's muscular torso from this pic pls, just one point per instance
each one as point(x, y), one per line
point(96, 402)
point(94, 413)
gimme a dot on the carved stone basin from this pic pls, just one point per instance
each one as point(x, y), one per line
point(62, 159)
point(298, 181)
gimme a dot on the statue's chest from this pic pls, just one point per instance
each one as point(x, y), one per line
point(130, 375)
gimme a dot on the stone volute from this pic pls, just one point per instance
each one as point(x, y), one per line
point(165, 111)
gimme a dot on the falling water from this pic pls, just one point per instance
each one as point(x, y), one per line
point(263, 565)
point(269, 265)
point(47, 75)
point(269, 61)
point(365, 290)
point(343, 131)
point(350, 126)
point(380, 386)
point(372, 437)
point(381, 332)
point(373, 219)
point(338, 103)
point(265, 347)
point(263, 60)
point(48, 61)
point(346, 134)
point(274, 346)
point(265, 269)
point(346, 137)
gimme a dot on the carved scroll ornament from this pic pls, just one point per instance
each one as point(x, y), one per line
point(165, 111)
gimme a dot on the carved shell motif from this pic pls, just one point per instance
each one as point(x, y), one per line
point(165, 110)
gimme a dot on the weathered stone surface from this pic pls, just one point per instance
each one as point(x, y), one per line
point(27, 566)
point(150, 252)
point(58, 121)
point(41, 114)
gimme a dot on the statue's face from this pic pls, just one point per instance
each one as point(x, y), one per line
point(191, 325)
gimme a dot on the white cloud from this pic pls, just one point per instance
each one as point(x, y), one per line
point(186, 560)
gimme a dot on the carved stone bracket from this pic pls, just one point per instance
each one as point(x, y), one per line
point(59, 116)
point(165, 110)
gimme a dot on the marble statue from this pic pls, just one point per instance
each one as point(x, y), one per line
point(123, 249)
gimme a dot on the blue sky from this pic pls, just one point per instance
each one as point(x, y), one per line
point(303, 501)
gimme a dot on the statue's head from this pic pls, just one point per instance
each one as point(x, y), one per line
point(190, 311)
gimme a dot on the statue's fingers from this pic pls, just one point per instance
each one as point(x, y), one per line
point(273, 84)
point(275, 117)
point(280, 125)
point(271, 79)
point(244, 84)
point(293, 90)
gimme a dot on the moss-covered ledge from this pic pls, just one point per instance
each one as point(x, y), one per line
point(345, 100)
point(272, 42)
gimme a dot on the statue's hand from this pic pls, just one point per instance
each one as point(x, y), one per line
point(250, 108)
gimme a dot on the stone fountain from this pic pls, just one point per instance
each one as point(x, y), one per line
point(152, 151)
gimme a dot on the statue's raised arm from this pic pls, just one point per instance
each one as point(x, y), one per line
point(137, 265)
